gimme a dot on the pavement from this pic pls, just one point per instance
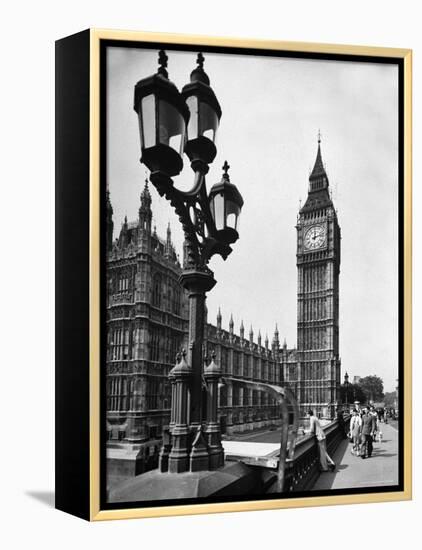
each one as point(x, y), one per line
point(257, 436)
point(263, 435)
point(354, 472)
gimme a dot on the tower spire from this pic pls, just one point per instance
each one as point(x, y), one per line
point(318, 178)
point(318, 193)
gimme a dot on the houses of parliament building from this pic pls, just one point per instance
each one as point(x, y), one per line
point(147, 325)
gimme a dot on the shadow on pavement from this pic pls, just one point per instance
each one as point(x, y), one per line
point(329, 477)
point(383, 454)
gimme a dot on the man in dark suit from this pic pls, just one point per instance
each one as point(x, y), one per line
point(368, 429)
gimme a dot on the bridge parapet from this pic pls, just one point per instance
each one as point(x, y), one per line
point(303, 470)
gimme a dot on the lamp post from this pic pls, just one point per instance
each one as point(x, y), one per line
point(171, 123)
point(346, 385)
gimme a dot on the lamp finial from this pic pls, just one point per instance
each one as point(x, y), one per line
point(200, 60)
point(162, 61)
point(226, 168)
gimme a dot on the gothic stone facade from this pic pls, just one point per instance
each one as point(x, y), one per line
point(147, 325)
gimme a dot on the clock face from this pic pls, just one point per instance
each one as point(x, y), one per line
point(314, 237)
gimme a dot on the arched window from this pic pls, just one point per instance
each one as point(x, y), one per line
point(156, 290)
point(154, 344)
point(176, 301)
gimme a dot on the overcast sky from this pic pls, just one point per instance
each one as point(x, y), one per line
point(272, 110)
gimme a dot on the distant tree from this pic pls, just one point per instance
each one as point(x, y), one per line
point(373, 387)
point(390, 399)
point(354, 393)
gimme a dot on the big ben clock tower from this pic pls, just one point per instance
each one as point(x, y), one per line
point(318, 265)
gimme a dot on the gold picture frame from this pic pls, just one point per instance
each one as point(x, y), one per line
point(92, 507)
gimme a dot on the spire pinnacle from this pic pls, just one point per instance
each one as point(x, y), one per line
point(318, 171)
point(219, 319)
point(146, 195)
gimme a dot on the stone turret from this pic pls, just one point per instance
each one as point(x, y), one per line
point(109, 221)
point(123, 237)
point(219, 319)
point(145, 212)
point(276, 341)
point(169, 246)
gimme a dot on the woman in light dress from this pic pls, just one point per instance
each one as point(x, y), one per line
point(355, 429)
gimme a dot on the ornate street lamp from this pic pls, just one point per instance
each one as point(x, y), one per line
point(205, 114)
point(170, 123)
point(163, 115)
point(226, 203)
point(346, 385)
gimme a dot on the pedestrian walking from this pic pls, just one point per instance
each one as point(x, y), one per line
point(326, 462)
point(368, 428)
point(374, 413)
point(355, 432)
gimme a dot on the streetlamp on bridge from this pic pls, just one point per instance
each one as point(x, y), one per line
point(172, 123)
point(346, 385)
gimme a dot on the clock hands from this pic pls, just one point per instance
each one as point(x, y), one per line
point(314, 237)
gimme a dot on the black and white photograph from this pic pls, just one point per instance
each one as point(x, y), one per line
point(251, 299)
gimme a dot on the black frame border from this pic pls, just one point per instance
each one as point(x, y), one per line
point(399, 62)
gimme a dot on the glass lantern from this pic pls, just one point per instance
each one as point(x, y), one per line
point(163, 116)
point(205, 114)
point(225, 204)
